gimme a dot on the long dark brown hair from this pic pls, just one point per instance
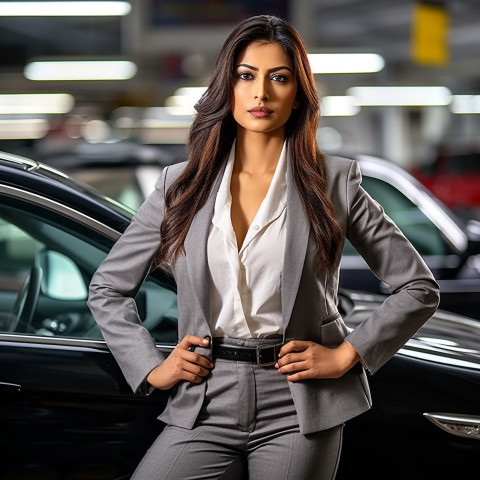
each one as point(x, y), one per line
point(213, 131)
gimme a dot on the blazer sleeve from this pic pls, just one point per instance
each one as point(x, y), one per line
point(414, 293)
point(115, 284)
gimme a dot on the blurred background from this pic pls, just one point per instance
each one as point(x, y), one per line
point(113, 83)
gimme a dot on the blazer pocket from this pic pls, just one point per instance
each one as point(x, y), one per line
point(333, 331)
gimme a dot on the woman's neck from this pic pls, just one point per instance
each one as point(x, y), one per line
point(257, 153)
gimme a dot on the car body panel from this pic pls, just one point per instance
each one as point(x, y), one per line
point(73, 403)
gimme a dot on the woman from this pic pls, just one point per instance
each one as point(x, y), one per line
point(252, 228)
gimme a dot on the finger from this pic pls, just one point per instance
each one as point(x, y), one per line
point(290, 358)
point(192, 378)
point(293, 346)
point(192, 340)
point(293, 367)
point(196, 359)
point(297, 376)
point(196, 369)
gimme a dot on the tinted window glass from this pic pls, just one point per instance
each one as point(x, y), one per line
point(47, 263)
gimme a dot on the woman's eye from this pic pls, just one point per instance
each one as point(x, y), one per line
point(245, 76)
point(279, 77)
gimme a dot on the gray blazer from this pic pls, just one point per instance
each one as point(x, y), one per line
point(309, 297)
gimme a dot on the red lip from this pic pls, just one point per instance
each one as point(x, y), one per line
point(260, 111)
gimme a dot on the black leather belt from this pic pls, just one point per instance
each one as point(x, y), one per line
point(263, 355)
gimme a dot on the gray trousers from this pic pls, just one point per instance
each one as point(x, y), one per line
point(247, 429)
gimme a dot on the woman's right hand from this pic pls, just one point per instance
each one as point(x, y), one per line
point(182, 364)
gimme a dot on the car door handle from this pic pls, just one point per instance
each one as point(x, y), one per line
point(456, 424)
point(9, 390)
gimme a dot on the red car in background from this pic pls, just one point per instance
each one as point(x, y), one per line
point(454, 178)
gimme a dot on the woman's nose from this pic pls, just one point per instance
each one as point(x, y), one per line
point(261, 91)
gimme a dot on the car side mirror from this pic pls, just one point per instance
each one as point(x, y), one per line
point(62, 279)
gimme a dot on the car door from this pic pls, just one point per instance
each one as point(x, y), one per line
point(66, 410)
point(459, 282)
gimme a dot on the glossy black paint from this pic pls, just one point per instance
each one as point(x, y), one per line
point(393, 440)
point(74, 416)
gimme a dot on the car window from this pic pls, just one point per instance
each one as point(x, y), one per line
point(416, 226)
point(47, 261)
point(17, 250)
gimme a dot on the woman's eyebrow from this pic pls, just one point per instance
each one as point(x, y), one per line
point(271, 70)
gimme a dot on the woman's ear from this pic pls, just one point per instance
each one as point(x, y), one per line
point(296, 104)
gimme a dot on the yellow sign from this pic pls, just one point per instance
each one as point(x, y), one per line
point(430, 34)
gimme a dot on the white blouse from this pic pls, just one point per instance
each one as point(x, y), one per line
point(245, 285)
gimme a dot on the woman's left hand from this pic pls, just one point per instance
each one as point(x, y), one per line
point(301, 360)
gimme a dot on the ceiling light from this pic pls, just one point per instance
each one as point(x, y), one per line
point(81, 70)
point(195, 92)
point(184, 100)
point(29, 128)
point(465, 104)
point(339, 106)
point(346, 62)
point(180, 101)
point(154, 116)
point(64, 9)
point(401, 96)
point(186, 96)
point(35, 103)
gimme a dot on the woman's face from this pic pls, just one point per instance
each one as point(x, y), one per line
point(264, 88)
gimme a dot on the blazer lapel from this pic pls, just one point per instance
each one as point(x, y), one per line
point(196, 248)
point(298, 230)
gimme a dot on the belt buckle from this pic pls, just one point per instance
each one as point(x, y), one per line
point(267, 354)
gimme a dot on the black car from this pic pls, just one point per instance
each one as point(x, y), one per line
point(66, 410)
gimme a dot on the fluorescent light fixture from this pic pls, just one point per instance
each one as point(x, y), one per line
point(81, 70)
point(35, 103)
point(29, 128)
point(64, 9)
point(465, 104)
point(176, 111)
point(155, 116)
point(180, 101)
point(401, 96)
point(345, 62)
point(339, 106)
point(184, 100)
point(193, 92)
